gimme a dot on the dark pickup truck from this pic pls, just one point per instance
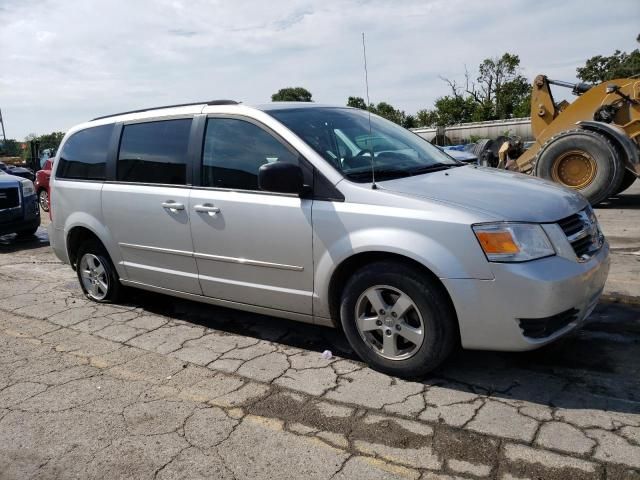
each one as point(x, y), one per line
point(19, 210)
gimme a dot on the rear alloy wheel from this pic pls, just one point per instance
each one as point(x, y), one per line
point(398, 319)
point(43, 199)
point(582, 160)
point(96, 273)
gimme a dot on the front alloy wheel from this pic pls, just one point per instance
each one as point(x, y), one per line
point(94, 277)
point(389, 322)
point(398, 318)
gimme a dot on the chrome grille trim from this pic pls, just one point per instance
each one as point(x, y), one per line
point(583, 233)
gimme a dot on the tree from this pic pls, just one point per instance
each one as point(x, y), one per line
point(601, 68)
point(499, 91)
point(357, 102)
point(385, 110)
point(50, 140)
point(499, 87)
point(448, 110)
point(292, 94)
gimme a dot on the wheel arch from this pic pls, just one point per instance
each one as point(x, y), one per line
point(81, 226)
point(345, 269)
point(76, 237)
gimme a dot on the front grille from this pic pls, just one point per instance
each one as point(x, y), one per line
point(544, 327)
point(9, 198)
point(583, 233)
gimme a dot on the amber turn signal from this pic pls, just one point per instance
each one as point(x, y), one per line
point(497, 242)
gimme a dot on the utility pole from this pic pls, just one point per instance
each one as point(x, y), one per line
point(4, 137)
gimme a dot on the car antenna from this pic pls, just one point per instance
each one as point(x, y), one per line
point(366, 83)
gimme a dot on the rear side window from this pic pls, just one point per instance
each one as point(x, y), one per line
point(234, 151)
point(84, 154)
point(154, 152)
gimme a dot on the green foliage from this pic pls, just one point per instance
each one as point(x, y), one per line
point(357, 102)
point(499, 91)
point(602, 68)
point(13, 148)
point(50, 140)
point(10, 148)
point(385, 110)
point(292, 94)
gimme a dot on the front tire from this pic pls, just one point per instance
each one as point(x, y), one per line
point(397, 319)
point(97, 275)
point(581, 160)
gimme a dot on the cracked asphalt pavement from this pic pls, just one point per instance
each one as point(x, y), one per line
point(165, 388)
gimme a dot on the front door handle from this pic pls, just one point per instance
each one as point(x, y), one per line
point(207, 208)
point(172, 206)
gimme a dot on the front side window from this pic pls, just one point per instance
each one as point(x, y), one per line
point(348, 139)
point(234, 151)
point(84, 154)
point(154, 152)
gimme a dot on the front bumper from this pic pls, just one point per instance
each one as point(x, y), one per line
point(24, 218)
point(490, 311)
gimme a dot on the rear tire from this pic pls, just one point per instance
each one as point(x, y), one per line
point(582, 160)
point(412, 330)
point(627, 181)
point(97, 275)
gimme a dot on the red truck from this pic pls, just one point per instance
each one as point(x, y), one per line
point(42, 184)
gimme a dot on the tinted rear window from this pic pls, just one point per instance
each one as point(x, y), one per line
point(84, 155)
point(154, 152)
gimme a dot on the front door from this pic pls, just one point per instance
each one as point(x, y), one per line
point(146, 208)
point(251, 247)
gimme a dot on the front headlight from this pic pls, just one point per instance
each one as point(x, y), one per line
point(27, 188)
point(513, 242)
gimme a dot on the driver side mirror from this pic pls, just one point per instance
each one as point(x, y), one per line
point(281, 177)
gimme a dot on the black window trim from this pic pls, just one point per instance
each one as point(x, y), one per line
point(116, 140)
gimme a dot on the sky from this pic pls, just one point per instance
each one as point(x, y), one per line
point(63, 62)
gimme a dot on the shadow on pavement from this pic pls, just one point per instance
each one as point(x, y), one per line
point(596, 368)
point(13, 243)
point(626, 201)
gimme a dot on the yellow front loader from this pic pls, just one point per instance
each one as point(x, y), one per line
point(591, 144)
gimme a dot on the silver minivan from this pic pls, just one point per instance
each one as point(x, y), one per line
point(325, 215)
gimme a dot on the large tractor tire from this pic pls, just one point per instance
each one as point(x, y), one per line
point(627, 181)
point(482, 150)
point(583, 160)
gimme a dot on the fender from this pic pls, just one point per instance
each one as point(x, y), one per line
point(407, 243)
point(617, 134)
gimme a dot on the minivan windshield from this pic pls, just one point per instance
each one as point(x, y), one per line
point(343, 137)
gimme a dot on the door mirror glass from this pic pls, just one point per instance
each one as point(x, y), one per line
point(280, 177)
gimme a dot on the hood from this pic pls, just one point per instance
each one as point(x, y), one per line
point(7, 180)
point(502, 194)
point(461, 155)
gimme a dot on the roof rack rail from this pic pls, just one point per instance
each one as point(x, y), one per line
point(211, 102)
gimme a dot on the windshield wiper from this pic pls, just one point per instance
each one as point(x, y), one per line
point(380, 173)
point(436, 167)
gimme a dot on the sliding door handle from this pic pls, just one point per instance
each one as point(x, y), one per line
point(172, 206)
point(207, 208)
